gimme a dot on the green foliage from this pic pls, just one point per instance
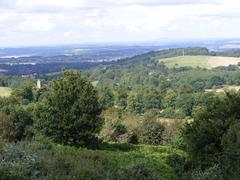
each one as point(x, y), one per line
point(69, 113)
point(24, 93)
point(152, 99)
point(119, 129)
point(37, 160)
point(169, 99)
point(185, 102)
point(135, 103)
point(204, 135)
point(15, 122)
point(139, 171)
point(20, 161)
point(106, 98)
point(121, 97)
point(231, 152)
point(178, 164)
point(172, 133)
point(151, 132)
point(211, 173)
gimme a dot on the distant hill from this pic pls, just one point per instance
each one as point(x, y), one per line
point(40, 65)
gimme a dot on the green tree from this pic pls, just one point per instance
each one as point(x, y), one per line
point(106, 98)
point(150, 131)
point(231, 152)
point(15, 123)
point(152, 99)
point(185, 89)
point(25, 92)
point(185, 102)
point(135, 103)
point(69, 113)
point(169, 99)
point(121, 96)
point(204, 135)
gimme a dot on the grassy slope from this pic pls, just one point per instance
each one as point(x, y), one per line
point(199, 61)
point(119, 156)
point(5, 91)
point(193, 61)
point(64, 161)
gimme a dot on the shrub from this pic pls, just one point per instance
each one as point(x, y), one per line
point(212, 173)
point(138, 171)
point(15, 123)
point(119, 129)
point(69, 113)
point(20, 161)
point(151, 132)
point(172, 133)
point(177, 163)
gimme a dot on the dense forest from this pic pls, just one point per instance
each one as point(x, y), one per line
point(133, 119)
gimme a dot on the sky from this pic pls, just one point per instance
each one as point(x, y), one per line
point(58, 22)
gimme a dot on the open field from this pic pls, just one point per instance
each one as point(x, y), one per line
point(94, 83)
point(5, 91)
point(200, 61)
point(225, 88)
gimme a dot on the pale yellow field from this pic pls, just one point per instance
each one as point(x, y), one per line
point(94, 83)
point(222, 61)
point(225, 88)
point(5, 91)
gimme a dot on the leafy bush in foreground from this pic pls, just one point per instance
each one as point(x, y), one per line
point(138, 171)
point(69, 113)
point(15, 122)
point(44, 160)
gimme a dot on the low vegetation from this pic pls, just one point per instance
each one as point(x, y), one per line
point(112, 161)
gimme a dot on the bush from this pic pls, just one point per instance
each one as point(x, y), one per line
point(119, 129)
point(20, 161)
point(172, 133)
point(212, 173)
point(151, 132)
point(138, 171)
point(69, 113)
point(178, 164)
point(15, 123)
point(173, 113)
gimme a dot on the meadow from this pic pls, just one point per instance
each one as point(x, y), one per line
point(200, 61)
point(224, 88)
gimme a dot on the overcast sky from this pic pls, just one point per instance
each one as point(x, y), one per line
point(52, 22)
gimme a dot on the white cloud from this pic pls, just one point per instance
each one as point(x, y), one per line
point(40, 23)
point(76, 21)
